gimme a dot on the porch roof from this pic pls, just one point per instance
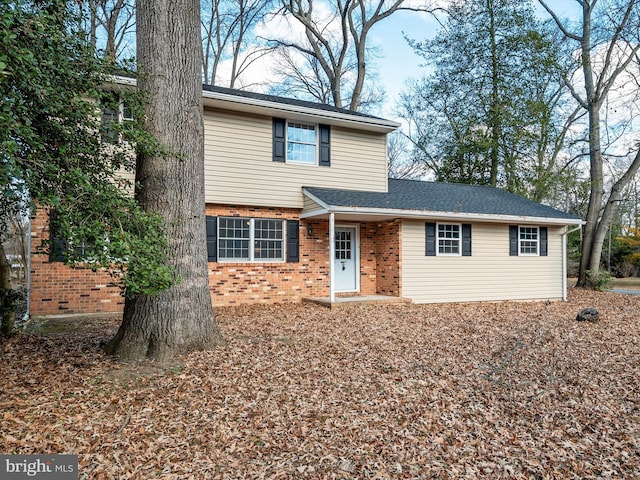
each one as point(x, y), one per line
point(433, 200)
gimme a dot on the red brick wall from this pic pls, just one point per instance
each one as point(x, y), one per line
point(235, 283)
point(59, 289)
point(368, 267)
point(388, 258)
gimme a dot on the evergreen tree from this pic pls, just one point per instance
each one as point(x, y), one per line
point(489, 112)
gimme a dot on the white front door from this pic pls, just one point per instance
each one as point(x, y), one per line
point(344, 263)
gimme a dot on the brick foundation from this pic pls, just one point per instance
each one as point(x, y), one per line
point(59, 289)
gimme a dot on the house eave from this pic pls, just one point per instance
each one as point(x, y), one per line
point(378, 214)
point(295, 112)
point(226, 101)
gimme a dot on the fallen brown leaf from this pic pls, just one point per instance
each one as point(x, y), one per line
point(487, 390)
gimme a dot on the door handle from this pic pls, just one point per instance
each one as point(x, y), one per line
point(342, 263)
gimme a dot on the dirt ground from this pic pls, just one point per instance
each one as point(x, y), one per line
point(486, 390)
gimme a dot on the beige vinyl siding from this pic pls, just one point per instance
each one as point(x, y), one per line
point(309, 206)
point(239, 169)
point(489, 274)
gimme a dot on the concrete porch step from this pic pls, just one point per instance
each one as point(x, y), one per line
point(350, 300)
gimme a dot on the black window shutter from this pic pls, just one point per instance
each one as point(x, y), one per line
point(293, 241)
point(279, 139)
point(513, 240)
point(325, 146)
point(57, 245)
point(58, 249)
point(430, 235)
point(544, 248)
point(466, 240)
point(212, 239)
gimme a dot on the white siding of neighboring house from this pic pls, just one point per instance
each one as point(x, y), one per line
point(489, 274)
point(239, 168)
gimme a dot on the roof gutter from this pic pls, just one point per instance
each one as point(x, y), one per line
point(431, 214)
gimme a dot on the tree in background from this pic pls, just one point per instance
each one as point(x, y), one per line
point(332, 62)
point(399, 164)
point(180, 319)
point(54, 155)
point(628, 250)
point(228, 35)
point(491, 112)
point(110, 25)
point(606, 39)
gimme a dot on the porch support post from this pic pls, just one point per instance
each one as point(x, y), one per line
point(332, 255)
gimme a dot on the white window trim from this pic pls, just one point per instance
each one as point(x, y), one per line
point(316, 148)
point(438, 254)
point(251, 239)
point(121, 116)
point(520, 241)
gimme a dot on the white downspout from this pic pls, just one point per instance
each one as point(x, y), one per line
point(565, 235)
point(332, 254)
point(27, 314)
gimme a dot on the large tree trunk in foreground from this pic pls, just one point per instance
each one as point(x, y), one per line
point(180, 319)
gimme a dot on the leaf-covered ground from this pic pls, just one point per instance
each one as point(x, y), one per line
point(492, 390)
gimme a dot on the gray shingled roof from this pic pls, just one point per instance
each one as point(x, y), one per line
point(440, 197)
point(284, 100)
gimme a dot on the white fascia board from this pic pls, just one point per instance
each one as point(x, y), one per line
point(459, 216)
point(315, 213)
point(128, 81)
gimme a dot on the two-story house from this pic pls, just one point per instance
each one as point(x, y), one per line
point(299, 205)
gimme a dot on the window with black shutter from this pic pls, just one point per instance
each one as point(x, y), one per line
point(527, 240)
point(243, 239)
point(447, 239)
point(301, 143)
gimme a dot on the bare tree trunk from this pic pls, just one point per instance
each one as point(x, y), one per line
point(609, 210)
point(340, 56)
point(111, 24)
point(494, 109)
point(621, 20)
point(590, 257)
point(180, 319)
point(7, 299)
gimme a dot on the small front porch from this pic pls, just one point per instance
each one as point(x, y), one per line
point(342, 301)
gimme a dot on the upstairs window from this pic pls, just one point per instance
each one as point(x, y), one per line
point(114, 111)
point(301, 143)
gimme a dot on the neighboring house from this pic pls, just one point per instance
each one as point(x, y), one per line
point(298, 205)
